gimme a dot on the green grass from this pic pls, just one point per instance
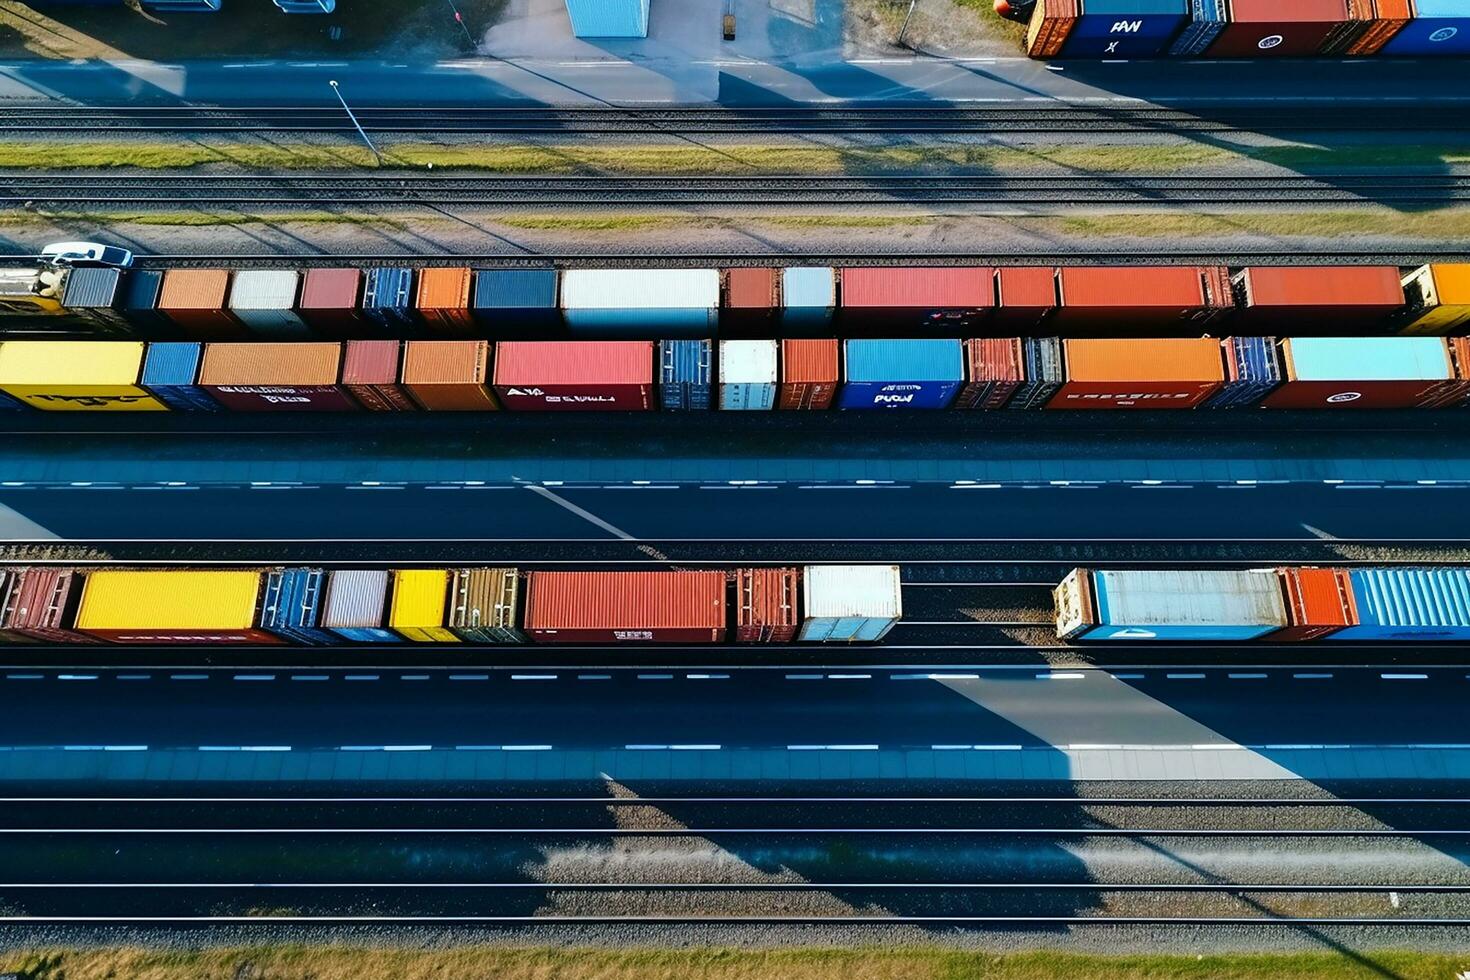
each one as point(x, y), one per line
point(994, 22)
point(1441, 224)
point(201, 219)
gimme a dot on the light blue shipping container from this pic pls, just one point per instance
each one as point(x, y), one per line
point(609, 18)
point(1207, 21)
point(1370, 359)
point(684, 375)
point(170, 370)
point(1410, 604)
point(641, 303)
point(1440, 28)
point(809, 287)
point(748, 375)
point(901, 373)
point(1186, 605)
point(292, 604)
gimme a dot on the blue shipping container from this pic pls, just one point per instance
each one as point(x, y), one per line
point(1258, 360)
point(901, 373)
point(291, 605)
point(137, 298)
point(1125, 28)
point(1439, 28)
point(1410, 604)
point(684, 374)
point(515, 289)
point(170, 370)
point(608, 18)
point(387, 296)
point(1207, 21)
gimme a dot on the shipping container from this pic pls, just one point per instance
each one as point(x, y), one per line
point(1366, 28)
point(448, 375)
point(9, 404)
point(516, 302)
point(1365, 372)
point(618, 607)
point(274, 377)
point(1454, 394)
point(370, 371)
point(442, 299)
point(387, 297)
point(996, 368)
point(808, 297)
point(1051, 22)
point(291, 606)
point(901, 373)
point(171, 374)
point(76, 375)
point(1270, 28)
point(1438, 298)
point(1125, 28)
point(588, 375)
point(265, 301)
point(1319, 602)
point(684, 374)
point(810, 373)
point(1440, 28)
point(1389, 17)
point(1046, 372)
point(173, 606)
point(902, 296)
point(195, 300)
point(1327, 297)
point(748, 375)
point(417, 609)
point(643, 303)
point(1415, 604)
point(92, 294)
point(766, 605)
point(1133, 297)
point(356, 605)
point(1182, 606)
point(138, 302)
point(608, 18)
point(10, 579)
point(1252, 371)
point(483, 604)
point(329, 300)
point(1207, 20)
point(1178, 373)
point(752, 290)
point(44, 607)
point(1025, 296)
point(849, 603)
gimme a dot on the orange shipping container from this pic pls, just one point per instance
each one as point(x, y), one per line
point(1391, 17)
point(254, 377)
point(1025, 296)
point(1312, 298)
point(1319, 601)
point(196, 300)
point(625, 607)
point(443, 299)
point(1051, 23)
point(448, 375)
point(1132, 296)
point(765, 609)
point(808, 374)
point(1154, 374)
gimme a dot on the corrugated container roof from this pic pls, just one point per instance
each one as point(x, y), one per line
point(419, 595)
point(370, 362)
point(640, 289)
point(90, 288)
point(172, 363)
point(608, 18)
point(169, 600)
point(1298, 11)
point(809, 286)
point(747, 362)
point(838, 591)
point(441, 289)
point(625, 600)
point(809, 361)
point(1324, 286)
point(387, 288)
point(141, 289)
point(515, 289)
point(446, 361)
point(264, 289)
point(574, 362)
point(1315, 597)
point(1412, 596)
point(1367, 359)
point(1132, 286)
point(484, 598)
point(1028, 288)
point(905, 360)
point(355, 599)
point(1441, 8)
point(1192, 359)
point(1452, 280)
point(918, 286)
point(330, 289)
point(194, 289)
point(995, 359)
point(751, 289)
point(271, 364)
point(70, 362)
point(1189, 598)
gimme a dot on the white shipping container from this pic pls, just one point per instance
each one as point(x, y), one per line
point(355, 604)
point(264, 300)
point(640, 289)
point(1170, 605)
point(849, 603)
point(748, 374)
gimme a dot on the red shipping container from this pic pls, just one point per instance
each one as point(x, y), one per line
point(1319, 601)
point(370, 374)
point(329, 298)
point(262, 377)
point(752, 289)
point(625, 607)
point(1025, 295)
point(934, 293)
point(1150, 374)
point(44, 607)
point(1294, 28)
point(1130, 296)
point(1296, 296)
point(996, 368)
point(809, 374)
point(575, 375)
point(765, 605)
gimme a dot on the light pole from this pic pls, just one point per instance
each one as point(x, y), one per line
point(460, 21)
point(360, 131)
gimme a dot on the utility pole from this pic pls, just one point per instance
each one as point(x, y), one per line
point(360, 131)
point(906, 18)
point(460, 21)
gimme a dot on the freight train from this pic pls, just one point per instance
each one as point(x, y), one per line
point(1248, 28)
point(735, 375)
point(314, 606)
point(1272, 604)
point(649, 304)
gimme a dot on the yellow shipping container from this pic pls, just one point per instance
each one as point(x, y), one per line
point(168, 601)
point(417, 609)
point(1440, 296)
point(76, 375)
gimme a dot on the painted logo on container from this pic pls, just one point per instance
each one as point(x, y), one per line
point(1343, 397)
point(1444, 34)
point(1270, 41)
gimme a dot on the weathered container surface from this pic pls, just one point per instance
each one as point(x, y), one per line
point(1439, 28)
point(356, 606)
point(1437, 297)
point(810, 373)
point(1045, 360)
point(996, 369)
point(10, 580)
point(1051, 23)
point(1170, 605)
point(442, 299)
point(1361, 17)
point(1417, 604)
point(329, 299)
point(173, 606)
point(196, 300)
point(1337, 295)
point(448, 375)
point(271, 377)
point(44, 606)
point(484, 605)
point(642, 302)
point(622, 607)
point(370, 370)
point(1252, 371)
point(1390, 17)
point(387, 297)
point(684, 381)
point(748, 374)
point(1319, 602)
point(1178, 373)
point(930, 296)
point(137, 300)
point(507, 292)
point(1207, 21)
point(417, 611)
point(1130, 296)
point(1363, 372)
point(1125, 28)
point(809, 288)
point(171, 373)
point(1269, 28)
point(766, 605)
point(588, 375)
point(922, 374)
point(752, 290)
point(1025, 295)
point(850, 603)
point(265, 301)
point(291, 605)
point(76, 375)
point(92, 294)
point(608, 18)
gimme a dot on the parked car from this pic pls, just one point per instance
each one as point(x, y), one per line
point(87, 253)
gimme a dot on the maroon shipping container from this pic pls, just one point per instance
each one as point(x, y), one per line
point(370, 374)
point(996, 369)
point(1309, 299)
point(1279, 28)
point(44, 607)
point(809, 374)
point(766, 605)
point(625, 607)
point(1127, 297)
point(918, 294)
point(329, 299)
point(1025, 296)
point(275, 377)
point(574, 375)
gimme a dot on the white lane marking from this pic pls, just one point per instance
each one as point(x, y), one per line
point(309, 677)
point(594, 677)
point(803, 677)
point(25, 677)
point(1128, 677)
point(997, 748)
point(1055, 676)
point(525, 748)
point(407, 748)
point(255, 677)
point(1185, 677)
point(849, 677)
point(516, 677)
point(1246, 677)
point(134, 677)
point(76, 677)
point(708, 677)
point(362, 677)
point(586, 515)
point(413, 677)
point(1312, 677)
point(188, 677)
point(480, 677)
point(1317, 532)
point(1404, 677)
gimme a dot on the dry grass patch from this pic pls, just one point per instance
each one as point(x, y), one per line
point(1440, 224)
